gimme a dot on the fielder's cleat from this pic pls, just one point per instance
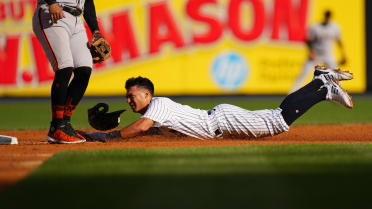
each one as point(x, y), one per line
point(326, 75)
point(63, 134)
point(337, 94)
point(72, 130)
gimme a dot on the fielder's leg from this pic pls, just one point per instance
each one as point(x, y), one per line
point(54, 37)
point(59, 93)
point(83, 64)
point(59, 132)
point(76, 90)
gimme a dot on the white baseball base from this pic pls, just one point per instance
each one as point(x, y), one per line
point(8, 139)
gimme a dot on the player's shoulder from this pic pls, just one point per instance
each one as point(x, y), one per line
point(334, 25)
point(318, 27)
point(160, 100)
point(315, 26)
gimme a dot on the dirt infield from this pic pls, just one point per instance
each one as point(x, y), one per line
point(16, 161)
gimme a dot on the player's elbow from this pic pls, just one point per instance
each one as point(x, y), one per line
point(145, 124)
point(144, 128)
point(140, 126)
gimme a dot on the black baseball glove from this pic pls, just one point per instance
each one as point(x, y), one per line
point(101, 120)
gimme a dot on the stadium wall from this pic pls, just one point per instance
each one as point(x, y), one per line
point(188, 47)
point(368, 17)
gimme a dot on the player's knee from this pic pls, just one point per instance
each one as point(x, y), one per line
point(82, 73)
point(62, 76)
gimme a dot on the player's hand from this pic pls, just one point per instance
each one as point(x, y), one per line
point(312, 55)
point(98, 136)
point(56, 12)
point(95, 136)
point(343, 61)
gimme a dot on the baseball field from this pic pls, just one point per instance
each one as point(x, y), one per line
point(324, 161)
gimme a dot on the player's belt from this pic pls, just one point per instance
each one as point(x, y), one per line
point(72, 10)
point(217, 131)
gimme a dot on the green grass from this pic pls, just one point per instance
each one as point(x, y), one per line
point(288, 176)
point(35, 114)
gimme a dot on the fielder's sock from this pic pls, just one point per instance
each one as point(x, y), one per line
point(69, 110)
point(293, 108)
point(76, 89)
point(57, 111)
point(59, 91)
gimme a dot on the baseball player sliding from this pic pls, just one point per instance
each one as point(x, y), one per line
point(225, 120)
point(320, 41)
point(61, 32)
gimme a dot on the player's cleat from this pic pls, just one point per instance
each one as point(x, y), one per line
point(337, 94)
point(63, 134)
point(72, 130)
point(326, 75)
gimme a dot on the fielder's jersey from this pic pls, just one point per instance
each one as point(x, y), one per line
point(324, 37)
point(65, 41)
point(72, 3)
point(221, 121)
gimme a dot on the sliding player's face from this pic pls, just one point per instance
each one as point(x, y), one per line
point(138, 99)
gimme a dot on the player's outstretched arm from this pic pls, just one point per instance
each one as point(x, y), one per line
point(136, 128)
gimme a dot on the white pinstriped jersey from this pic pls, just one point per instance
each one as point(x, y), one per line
point(221, 121)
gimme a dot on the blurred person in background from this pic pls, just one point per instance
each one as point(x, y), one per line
point(320, 40)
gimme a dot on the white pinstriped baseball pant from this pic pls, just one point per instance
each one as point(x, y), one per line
point(231, 121)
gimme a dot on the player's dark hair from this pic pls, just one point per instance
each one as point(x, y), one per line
point(142, 82)
point(327, 14)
